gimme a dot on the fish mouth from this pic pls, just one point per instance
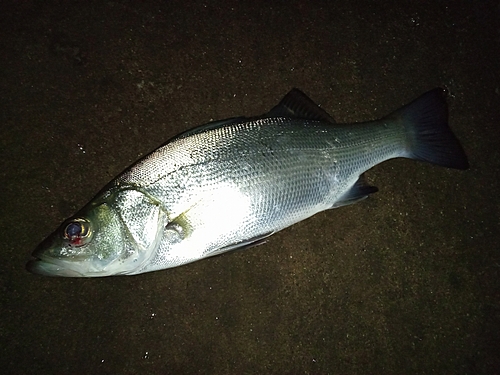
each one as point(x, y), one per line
point(51, 267)
point(42, 263)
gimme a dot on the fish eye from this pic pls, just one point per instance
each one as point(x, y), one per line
point(77, 231)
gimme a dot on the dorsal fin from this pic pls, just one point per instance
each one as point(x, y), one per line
point(296, 104)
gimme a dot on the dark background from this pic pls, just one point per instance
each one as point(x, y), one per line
point(406, 282)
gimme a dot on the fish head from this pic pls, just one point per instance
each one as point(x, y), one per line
point(115, 234)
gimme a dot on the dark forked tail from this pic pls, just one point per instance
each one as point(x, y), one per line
point(429, 138)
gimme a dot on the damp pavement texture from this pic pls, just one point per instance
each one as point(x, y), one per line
point(406, 282)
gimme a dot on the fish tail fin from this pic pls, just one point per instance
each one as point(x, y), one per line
point(428, 136)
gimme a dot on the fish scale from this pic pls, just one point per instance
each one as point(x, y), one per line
point(289, 182)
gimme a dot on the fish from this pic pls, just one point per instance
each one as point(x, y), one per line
point(231, 184)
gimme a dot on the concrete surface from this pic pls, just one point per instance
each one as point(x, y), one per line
point(406, 282)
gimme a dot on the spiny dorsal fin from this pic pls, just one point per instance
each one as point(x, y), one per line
point(296, 104)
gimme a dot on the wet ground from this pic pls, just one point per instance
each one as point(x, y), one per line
point(406, 282)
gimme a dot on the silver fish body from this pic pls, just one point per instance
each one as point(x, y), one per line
point(233, 183)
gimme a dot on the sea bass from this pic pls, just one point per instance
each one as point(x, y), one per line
point(231, 184)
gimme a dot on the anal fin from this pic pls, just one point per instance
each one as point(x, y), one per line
point(359, 191)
